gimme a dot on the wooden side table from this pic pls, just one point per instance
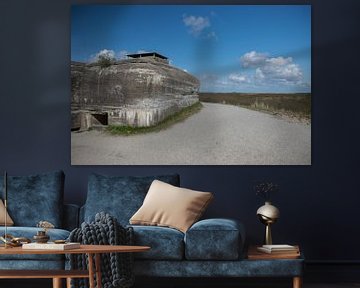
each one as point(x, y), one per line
point(254, 254)
point(93, 251)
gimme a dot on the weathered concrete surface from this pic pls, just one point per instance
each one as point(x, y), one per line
point(135, 92)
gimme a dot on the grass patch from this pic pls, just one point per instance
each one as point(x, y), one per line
point(295, 105)
point(166, 123)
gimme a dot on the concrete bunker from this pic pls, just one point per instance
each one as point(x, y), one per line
point(139, 91)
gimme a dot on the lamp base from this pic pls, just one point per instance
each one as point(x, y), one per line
point(268, 237)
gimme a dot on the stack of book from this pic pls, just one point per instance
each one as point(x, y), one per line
point(282, 251)
point(279, 249)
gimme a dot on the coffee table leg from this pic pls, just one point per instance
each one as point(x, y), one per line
point(68, 282)
point(297, 282)
point(98, 270)
point(91, 270)
point(57, 283)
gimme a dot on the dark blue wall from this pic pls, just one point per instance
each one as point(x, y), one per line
point(318, 203)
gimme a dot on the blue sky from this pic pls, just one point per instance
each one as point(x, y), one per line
point(229, 48)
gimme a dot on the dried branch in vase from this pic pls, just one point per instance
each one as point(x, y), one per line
point(265, 189)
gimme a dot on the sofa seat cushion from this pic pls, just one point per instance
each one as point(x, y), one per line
point(214, 239)
point(166, 243)
point(213, 269)
point(120, 196)
point(35, 198)
point(29, 232)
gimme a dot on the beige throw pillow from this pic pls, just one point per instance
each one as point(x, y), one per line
point(170, 206)
point(9, 221)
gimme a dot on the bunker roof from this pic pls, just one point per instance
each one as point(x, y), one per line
point(147, 54)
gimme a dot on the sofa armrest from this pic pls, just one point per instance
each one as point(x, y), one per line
point(71, 216)
point(215, 239)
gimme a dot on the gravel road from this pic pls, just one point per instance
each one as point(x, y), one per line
point(217, 135)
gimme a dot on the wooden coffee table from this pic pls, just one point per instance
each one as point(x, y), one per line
point(92, 251)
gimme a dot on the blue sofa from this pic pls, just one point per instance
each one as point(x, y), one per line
point(210, 248)
point(32, 199)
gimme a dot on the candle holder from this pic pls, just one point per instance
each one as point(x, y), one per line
point(42, 236)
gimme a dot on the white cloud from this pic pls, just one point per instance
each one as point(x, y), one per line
point(196, 24)
point(238, 78)
point(274, 70)
point(253, 59)
point(279, 61)
point(259, 75)
point(282, 69)
point(261, 72)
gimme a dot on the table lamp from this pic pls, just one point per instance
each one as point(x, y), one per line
point(268, 214)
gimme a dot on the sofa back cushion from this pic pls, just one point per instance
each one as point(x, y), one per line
point(120, 196)
point(35, 198)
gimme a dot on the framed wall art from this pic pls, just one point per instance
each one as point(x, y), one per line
point(191, 85)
